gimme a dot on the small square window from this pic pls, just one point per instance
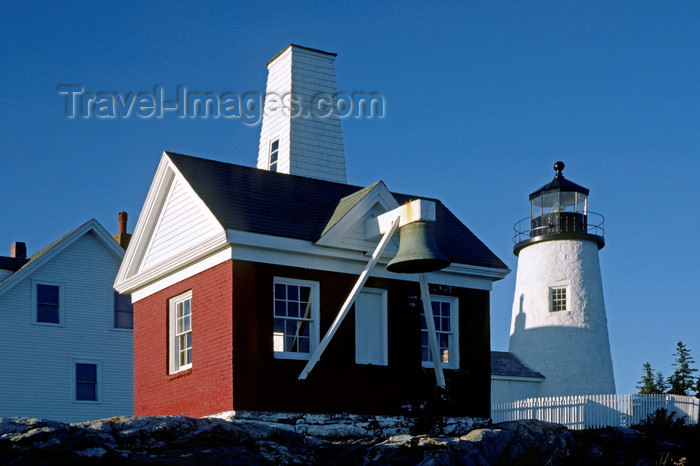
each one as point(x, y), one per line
point(47, 304)
point(85, 382)
point(557, 299)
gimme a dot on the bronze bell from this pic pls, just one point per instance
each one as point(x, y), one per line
point(418, 251)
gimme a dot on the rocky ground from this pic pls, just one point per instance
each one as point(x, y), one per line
point(183, 440)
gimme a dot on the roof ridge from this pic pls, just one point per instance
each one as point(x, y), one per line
point(37, 256)
point(259, 201)
point(258, 170)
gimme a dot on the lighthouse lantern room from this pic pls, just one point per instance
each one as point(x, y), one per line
point(558, 210)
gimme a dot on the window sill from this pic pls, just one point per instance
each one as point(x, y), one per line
point(295, 356)
point(430, 365)
point(47, 324)
point(180, 374)
point(123, 330)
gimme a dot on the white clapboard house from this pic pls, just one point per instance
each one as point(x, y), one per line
point(67, 337)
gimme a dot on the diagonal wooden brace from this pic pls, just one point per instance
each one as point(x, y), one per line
point(316, 356)
point(432, 334)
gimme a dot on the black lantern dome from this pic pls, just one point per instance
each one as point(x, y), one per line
point(559, 210)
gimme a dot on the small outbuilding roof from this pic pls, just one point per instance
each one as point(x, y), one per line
point(508, 365)
point(260, 201)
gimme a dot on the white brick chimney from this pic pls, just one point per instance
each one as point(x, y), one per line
point(301, 139)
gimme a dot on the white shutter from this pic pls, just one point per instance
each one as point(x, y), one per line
point(371, 327)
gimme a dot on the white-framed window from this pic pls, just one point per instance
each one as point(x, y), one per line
point(274, 154)
point(48, 303)
point(371, 334)
point(557, 299)
point(445, 315)
point(296, 315)
point(180, 338)
point(86, 381)
point(123, 312)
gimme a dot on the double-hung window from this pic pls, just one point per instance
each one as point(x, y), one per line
point(445, 315)
point(123, 311)
point(180, 332)
point(295, 316)
point(48, 304)
point(86, 378)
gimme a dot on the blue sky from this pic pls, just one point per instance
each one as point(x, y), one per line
point(481, 99)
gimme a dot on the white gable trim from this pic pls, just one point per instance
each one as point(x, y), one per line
point(180, 275)
point(145, 223)
point(337, 236)
point(130, 277)
point(91, 225)
point(195, 256)
point(183, 223)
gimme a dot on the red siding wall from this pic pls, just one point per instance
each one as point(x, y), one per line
point(206, 388)
point(337, 384)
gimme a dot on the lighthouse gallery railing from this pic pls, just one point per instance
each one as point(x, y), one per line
point(558, 222)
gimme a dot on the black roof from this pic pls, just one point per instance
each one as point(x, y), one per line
point(507, 364)
point(12, 263)
point(260, 201)
point(559, 183)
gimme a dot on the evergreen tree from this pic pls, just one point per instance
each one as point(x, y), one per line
point(661, 384)
point(682, 381)
point(649, 384)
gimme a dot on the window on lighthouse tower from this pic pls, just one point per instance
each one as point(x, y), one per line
point(557, 299)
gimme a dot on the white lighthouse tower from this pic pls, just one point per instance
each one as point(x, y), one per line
point(558, 325)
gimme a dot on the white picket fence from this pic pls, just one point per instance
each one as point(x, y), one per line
point(595, 411)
